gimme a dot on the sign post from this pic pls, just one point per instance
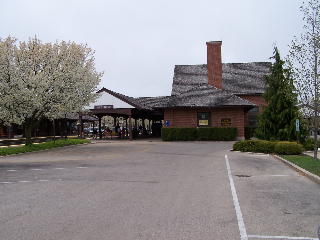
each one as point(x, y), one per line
point(297, 128)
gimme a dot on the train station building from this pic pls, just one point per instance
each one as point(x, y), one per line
point(215, 94)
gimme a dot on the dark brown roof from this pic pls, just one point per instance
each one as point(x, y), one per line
point(153, 102)
point(238, 78)
point(206, 96)
point(190, 87)
point(141, 103)
point(130, 100)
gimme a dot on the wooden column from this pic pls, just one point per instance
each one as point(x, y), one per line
point(100, 132)
point(81, 126)
point(115, 123)
point(130, 128)
point(126, 127)
point(93, 128)
point(143, 127)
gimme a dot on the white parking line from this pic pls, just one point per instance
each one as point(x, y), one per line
point(6, 182)
point(24, 181)
point(41, 169)
point(281, 237)
point(43, 180)
point(242, 228)
point(256, 176)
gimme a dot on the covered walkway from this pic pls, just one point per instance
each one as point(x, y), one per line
point(129, 114)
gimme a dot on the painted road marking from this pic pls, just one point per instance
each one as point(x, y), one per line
point(43, 180)
point(242, 228)
point(24, 181)
point(275, 176)
point(281, 237)
point(6, 182)
point(41, 169)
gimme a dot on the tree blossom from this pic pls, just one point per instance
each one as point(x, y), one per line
point(44, 80)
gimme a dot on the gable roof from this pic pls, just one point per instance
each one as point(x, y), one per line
point(127, 99)
point(206, 96)
point(153, 102)
point(190, 87)
point(238, 78)
point(141, 103)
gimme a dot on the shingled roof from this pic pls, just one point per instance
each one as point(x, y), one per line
point(190, 87)
point(153, 102)
point(238, 78)
point(142, 103)
point(130, 100)
point(206, 96)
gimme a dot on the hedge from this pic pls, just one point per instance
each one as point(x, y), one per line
point(254, 146)
point(262, 146)
point(201, 134)
point(288, 148)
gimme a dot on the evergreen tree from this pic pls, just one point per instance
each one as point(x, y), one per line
point(277, 122)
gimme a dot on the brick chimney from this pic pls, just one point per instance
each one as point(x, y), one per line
point(214, 64)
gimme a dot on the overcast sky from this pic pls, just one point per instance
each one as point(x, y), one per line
point(138, 42)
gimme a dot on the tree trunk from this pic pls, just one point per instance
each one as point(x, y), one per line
point(28, 131)
point(54, 130)
point(315, 134)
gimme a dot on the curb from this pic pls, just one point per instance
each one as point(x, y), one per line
point(304, 172)
point(17, 154)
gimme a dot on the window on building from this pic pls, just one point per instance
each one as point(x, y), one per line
point(203, 119)
point(253, 116)
point(255, 109)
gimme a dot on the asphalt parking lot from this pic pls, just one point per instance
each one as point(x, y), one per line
point(154, 190)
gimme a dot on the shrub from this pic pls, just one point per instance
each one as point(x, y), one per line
point(202, 134)
point(254, 146)
point(288, 148)
point(308, 144)
point(262, 146)
point(217, 134)
point(179, 134)
point(186, 134)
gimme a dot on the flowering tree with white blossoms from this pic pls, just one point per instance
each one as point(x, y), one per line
point(44, 80)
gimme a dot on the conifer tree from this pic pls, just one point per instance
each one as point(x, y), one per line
point(277, 122)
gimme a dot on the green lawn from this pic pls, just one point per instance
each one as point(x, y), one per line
point(41, 146)
point(306, 162)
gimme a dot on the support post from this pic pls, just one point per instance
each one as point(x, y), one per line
point(143, 127)
point(130, 128)
point(115, 124)
point(126, 128)
point(100, 132)
point(9, 130)
point(54, 130)
point(81, 126)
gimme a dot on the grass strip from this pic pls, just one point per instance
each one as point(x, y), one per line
point(306, 162)
point(41, 146)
